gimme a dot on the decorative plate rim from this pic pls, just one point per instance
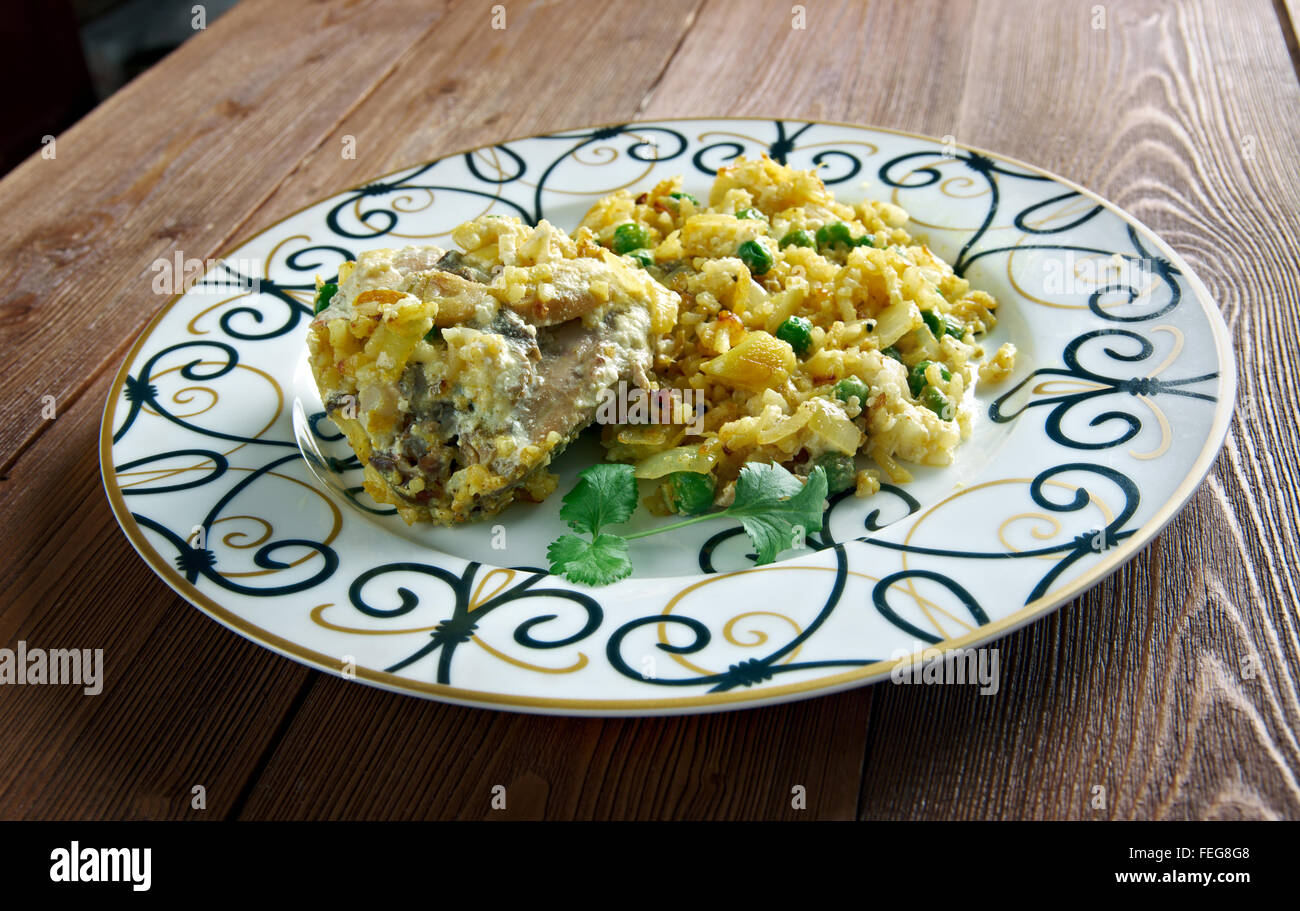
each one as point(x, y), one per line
point(715, 701)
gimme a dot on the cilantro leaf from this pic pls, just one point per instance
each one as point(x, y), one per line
point(771, 504)
point(604, 495)
point(597, 562)
point(760, 483)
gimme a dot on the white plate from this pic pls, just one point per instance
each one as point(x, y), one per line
point(1121, 398)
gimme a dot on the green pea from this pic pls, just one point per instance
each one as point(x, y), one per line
point(840, 470)
point(755, 256)
point(749, 213)
point(695, 201)
point(893, 352)
point(644, 258)
point(433, 335)
point(797, 331)
point(688, 493)
point(834, 233)
point(940, 326)
point(937, 402)
point(933, 322)
point(629, 237)
point(852, 388)
point(797, 239)
point(916, 376)
point(327, 291)
point(837, 234)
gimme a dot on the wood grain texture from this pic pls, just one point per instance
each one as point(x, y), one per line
point(1184, 113)
point(358, 753)
point(467, 84)
point(1288, 14)
point(164, 166)
point(182, 704)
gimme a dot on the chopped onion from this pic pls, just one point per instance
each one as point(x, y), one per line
point(834, 426)
point(699, 459)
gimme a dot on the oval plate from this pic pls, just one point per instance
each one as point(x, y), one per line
point(1120, 400)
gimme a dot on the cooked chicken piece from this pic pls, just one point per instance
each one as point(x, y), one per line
point(458, 376)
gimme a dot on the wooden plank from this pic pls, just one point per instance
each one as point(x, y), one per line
point(184, 703)
point(1288, 14)
point(171, 163)
point(357, 753)
point(469, 84)
point(833, 63)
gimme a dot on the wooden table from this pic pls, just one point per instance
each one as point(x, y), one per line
point(1184, 113)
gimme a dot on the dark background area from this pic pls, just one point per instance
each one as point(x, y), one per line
point(63, 57)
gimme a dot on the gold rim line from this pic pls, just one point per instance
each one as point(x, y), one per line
point(820, 686)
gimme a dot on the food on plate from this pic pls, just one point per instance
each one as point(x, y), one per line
point(815, 331)
point(458, 375)
point(792, 336)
